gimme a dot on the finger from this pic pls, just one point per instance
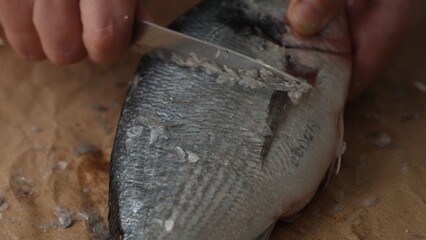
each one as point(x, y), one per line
point(142, 13)
point(308, 17)
point(16, 18)
point(59, 27)
point(2, 40)
point(107, 27)
point(1, 31)
point(378, 31)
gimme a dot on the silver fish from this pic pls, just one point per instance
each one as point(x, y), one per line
point(199, 156)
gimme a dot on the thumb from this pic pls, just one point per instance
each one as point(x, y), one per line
point(307, 17)
point(2, 36)
point(142, 12)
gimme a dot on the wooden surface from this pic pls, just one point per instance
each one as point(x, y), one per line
point(46, 112)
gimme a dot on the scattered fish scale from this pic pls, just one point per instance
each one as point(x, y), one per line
point(62, 165)
point(370, 201)
point(36, 129)
point(22, 185)
point(383, 140)
point(98, 107)
point(3, 205)
point(66, 219)
point(337, 208)
point(405, 167)
point(15, 220)
point(94, 224)
point(48, 225)
point(420, 86)
point(84, 147)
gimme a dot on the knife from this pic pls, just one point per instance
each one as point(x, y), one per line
point(168, 44)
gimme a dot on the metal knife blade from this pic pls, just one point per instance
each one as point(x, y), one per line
point(149, 37)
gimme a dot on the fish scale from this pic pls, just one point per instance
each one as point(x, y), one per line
point(190, 114)
point(250, 154)
point(216, 30)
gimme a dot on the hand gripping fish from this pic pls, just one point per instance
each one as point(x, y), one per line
point(200, 156)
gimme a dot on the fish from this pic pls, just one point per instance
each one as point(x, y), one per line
point(198, 155)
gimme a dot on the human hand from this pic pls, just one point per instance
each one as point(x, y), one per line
point(377, 28)
point(67, 31)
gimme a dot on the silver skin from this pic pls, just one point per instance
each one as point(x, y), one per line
point(198, 159)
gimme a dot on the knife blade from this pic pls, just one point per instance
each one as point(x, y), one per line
point(149, 37)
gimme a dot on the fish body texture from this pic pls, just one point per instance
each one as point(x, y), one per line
point(199, 158)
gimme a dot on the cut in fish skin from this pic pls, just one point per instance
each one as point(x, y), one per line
point(198, 158)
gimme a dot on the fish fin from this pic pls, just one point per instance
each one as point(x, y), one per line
point(292, 218)
point(340, 150)
point(277, 108)
point(265, 235)
point(334, 168)
point(329, 175)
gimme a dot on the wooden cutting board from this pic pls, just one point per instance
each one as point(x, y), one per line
point(57, 126)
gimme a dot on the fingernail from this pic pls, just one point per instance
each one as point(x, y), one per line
point(306, 17)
